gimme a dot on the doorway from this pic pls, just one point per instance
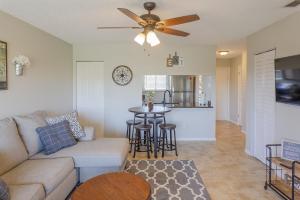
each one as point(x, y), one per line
point(90, 95)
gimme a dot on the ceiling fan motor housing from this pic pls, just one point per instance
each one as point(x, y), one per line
point(150, 18)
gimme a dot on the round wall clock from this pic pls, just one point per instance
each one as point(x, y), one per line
point(122, 75)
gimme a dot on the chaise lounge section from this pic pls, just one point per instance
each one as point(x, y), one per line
point(36, 176)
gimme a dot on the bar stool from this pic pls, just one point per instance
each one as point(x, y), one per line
point(129, 133)
point(146, 128)
point(131, 123)
point(158, 122)
point(166, 129)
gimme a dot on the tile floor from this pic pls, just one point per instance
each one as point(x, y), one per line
point(227, 171)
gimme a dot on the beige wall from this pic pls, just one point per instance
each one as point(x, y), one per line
point(284, 36)
point(236, 64)
point(198, 60)
point(223, 89)
point(47, 84)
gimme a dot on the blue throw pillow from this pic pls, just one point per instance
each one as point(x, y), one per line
point(4, 193)
point(55, 137)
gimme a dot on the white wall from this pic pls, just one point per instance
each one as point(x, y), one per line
point(198, 60)
point(223, 89)
point(284, 36)
point(236, 63)
point(47, 84)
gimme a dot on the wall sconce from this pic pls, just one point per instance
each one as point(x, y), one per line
point(20, 62)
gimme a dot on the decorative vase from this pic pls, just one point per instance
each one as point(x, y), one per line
point(19, 69)
point(150, 105)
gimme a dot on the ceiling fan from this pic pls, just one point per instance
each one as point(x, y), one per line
point(150, 23)
point(293, 4)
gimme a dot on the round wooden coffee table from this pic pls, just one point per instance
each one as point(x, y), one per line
point(114, 186)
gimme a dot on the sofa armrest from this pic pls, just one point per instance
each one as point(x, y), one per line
point(89, 134)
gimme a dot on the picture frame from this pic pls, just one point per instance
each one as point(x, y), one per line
point(290, 150)
point(3, 65)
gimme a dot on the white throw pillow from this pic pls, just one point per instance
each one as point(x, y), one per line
point(27, 125)
point(72, 118)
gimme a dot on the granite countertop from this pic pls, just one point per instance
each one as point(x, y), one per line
point(177, 105)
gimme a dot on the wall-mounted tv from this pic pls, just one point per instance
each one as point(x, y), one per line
point(287, 78)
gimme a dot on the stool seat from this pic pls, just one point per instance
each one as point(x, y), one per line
point(158, 121)
point(131, 122)
point(143, 127)
point(167, 126)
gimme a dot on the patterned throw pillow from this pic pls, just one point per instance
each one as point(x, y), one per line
point(73, 120)
point(4, 193)
point(56, 137)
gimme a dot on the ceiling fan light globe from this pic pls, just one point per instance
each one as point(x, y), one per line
point(140, 39)
point(152, 39)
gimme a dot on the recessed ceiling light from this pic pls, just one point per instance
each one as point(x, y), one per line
point(223, 53)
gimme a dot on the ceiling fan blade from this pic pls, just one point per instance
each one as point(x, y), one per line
point(293, 4)
point(178, 20)
point(119, 27)
point(133, 16)
point(173, 32)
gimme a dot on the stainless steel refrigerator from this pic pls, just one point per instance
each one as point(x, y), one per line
point(183, 89)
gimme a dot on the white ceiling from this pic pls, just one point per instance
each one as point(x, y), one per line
point(223, 22)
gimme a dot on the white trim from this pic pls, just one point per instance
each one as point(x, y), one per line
point(244, 132)
point(248, 152)
point(196, 139)
point(234, 122)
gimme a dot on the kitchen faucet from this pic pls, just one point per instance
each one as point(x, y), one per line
point(170, 95)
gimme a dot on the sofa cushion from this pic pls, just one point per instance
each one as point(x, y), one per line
point(28, 192)
point(4, 191)
point(48, 172)
point(72, 117)
point(56, 137)
point(27, 125)
point(12, 149)
point(102, 152)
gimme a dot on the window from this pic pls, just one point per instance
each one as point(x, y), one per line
point(155, 82)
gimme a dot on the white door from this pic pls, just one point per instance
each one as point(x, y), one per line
point(90, 95)
point(264, 103)
point(222, 79)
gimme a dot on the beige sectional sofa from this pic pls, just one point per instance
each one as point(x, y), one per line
point(36, 176)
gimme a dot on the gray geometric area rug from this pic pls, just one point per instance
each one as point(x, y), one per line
point(170, 179)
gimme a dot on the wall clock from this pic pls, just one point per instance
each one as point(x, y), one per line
point(122, 75)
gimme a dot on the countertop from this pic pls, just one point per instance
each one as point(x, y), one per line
point(176, 105)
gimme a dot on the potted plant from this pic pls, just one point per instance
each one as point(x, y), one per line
point(20, 62)
point(149, 99)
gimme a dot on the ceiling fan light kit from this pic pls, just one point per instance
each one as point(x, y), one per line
point(152, 39)
point(150, 23)
point(140, 38)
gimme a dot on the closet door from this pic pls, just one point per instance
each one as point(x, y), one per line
point(90, 94)
point(264, 102)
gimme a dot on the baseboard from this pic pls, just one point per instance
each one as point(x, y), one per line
point(196, 139)
point(234, 122)
point(248, 152)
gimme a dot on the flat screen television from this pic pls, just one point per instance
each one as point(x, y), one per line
point(287, 80)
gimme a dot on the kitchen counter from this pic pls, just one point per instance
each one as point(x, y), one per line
point(175, 105)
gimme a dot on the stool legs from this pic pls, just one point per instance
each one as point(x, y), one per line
point(175, 142)
point(166, 145)
point(163, 146)
point(146, 142)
